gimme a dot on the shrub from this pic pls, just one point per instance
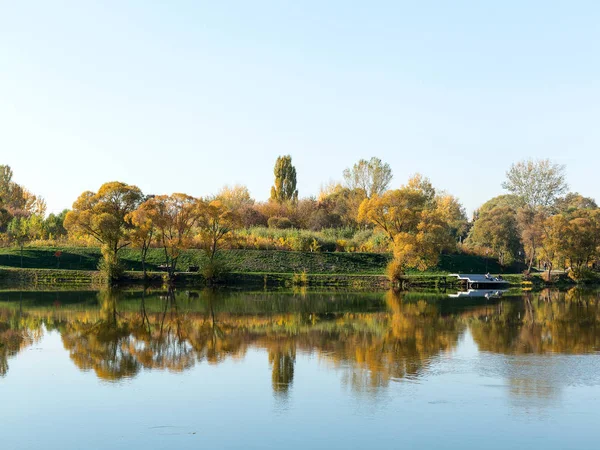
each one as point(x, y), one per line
point(341, 233)
point(300, 279)
point(280, 223)
point(250, 217)
point(582, 275)
point(213, 270)
point(110, 266)
point(395, 270)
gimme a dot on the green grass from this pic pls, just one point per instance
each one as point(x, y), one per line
point(243, 261)
point(44, 277)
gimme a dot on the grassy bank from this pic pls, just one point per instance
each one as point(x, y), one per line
point(268, 268)
point(51, 277)
point(242, 261)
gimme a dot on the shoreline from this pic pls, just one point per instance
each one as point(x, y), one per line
point(94, 279)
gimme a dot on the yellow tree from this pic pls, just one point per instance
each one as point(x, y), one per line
point(235, 197)
point(530, 222)
point(554, 229)
point(142, 231)
point(16, 201)
point(174, 218)
point(101, 216)
point(217, 222)
point(395, 211)
point(574, 241)
point(453, 213)
point(421, 248)
point(582, 241)
point(416, 221)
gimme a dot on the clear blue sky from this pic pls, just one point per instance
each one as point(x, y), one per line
point(186, 96)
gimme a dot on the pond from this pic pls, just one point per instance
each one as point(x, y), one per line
point(303, 369)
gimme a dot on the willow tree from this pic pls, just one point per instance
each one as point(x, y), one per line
point(284, 189)
point(142, 231)
point(395, 211)
point(417, 222)
point(216, 223)
point(101, 217)
point(174, 218)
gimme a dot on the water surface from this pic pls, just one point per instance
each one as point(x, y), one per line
point(214, 369)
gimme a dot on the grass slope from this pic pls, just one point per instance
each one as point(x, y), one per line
point(243, 261)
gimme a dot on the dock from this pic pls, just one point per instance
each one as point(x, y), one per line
point(477, 281)
point(479, 293)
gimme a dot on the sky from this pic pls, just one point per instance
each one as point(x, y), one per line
point(187, 96)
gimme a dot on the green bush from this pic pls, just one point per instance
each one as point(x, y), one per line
point(110, 266)
point(280, 223)
point(213, 270)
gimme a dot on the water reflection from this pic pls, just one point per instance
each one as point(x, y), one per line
point(545, 322)
point(370, 338)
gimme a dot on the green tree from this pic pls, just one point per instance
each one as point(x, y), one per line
point(53, 226)
point(573, 202)
point(15, 200)
point(372, 176)
point(18, 233)
point(497, 230)
point(341, 202)
point(285, 181)
point(536, 183)
point(6, 184)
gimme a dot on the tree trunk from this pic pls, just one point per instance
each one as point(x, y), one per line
point(531, 258)
point(213, 250)
point(144, 251)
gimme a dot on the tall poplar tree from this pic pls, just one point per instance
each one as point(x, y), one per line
point(285, 180)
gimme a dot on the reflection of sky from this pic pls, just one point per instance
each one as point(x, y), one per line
point(463, 399)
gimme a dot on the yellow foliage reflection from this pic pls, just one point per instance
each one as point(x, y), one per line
point(386, 338)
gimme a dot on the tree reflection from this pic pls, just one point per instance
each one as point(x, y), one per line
point(282, 357)
point(371, 342)
point(18, 330)
point(544, 322)
point(399, 343)
point(102, 345)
